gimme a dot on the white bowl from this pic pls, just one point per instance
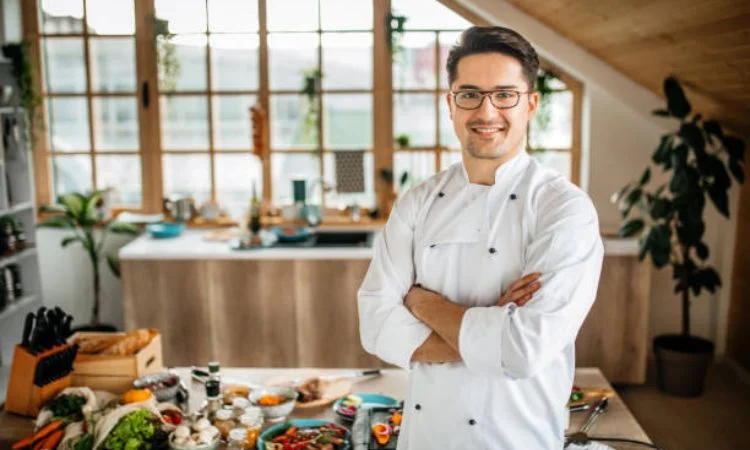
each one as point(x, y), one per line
point(278, 411)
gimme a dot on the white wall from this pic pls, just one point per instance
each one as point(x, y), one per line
point(619, 136)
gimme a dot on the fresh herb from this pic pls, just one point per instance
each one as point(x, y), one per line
point(86, 442)
point(133, 432)
point(68, 407)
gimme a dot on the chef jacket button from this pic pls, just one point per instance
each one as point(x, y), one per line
point(417, 406)
point(432, 245)
point(492, 250)
point(472, 422)
point(512, 308)
point(441, 194)
point(513, 196)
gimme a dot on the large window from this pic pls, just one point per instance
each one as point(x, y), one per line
point(152, 98)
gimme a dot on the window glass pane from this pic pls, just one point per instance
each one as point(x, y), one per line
point(448, 137)
point(292, 126)
point(61, 16)
point(182, 62)
point(235, 176)
point(110, 16)
point(71, 173)
point(449, 158)
point(347, 61)
point(234, 62)
point(428, 14)
point(348, 121)
point(290, 56)
point(187, 175)
point(232, 129)
point(346, 14)
point(233, 16)
point(292, 15)
point(558, 161)
point(122, 173)
point(552, 125)
point(286, 167)
point(64, 70)
point(115, 123)
point(447, 41)
point(418, 166)
point(414, 66)
point(112, 64)
point(68, 124)
point(183, 16)
point(337, 199)
point(184, 122)
point(414, 115)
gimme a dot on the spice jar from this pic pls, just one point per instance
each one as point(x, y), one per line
point(252, 421)
point(237, 439)
point(238, 406)
point(224, 421)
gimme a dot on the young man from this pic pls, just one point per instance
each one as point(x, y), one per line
point(488, 371)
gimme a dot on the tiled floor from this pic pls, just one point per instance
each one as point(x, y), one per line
point(718, 420)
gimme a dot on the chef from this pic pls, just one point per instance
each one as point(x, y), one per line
point(486, 371)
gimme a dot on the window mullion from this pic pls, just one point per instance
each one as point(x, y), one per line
point(89, 101)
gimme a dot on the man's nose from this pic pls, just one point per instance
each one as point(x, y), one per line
point(486, 109)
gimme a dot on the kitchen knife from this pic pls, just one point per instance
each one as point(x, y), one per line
point(40, 333)
point(27, 327)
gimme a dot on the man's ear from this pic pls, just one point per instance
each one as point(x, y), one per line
point(449, 101)
point(533, 103)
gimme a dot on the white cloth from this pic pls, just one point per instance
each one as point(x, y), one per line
point(469, 242)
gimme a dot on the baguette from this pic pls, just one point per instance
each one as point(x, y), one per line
point(129, 344)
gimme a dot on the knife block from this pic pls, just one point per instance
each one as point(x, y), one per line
point(24, 396)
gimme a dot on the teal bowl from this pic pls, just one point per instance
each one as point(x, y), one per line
point(367, 400)
point(165, 230)
point(276, 430)
point(291, 233)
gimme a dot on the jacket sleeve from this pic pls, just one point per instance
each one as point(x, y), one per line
point(386, 327)
point(566, 248)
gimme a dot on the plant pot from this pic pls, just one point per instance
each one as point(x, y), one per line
point(682, 363)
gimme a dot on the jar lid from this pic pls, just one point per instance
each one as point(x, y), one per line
point(213, 366)
point(224, 414)
point(240, 402)
point(237, 434)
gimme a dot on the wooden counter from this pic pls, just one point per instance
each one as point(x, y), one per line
point(618, 421)
point(297, 307)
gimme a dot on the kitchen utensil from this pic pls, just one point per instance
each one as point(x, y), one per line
point(180, 208)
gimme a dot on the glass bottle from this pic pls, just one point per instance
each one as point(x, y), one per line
point(254, 223)
point(237, 439)
point(213, 397)
point(20, 235)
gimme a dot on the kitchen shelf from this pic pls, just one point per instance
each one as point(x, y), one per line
point(19, 256)
point(11, 309)
point(16, 208)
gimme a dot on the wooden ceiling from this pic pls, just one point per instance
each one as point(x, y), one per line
point(705, 43)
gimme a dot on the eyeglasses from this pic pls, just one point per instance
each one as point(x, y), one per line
point(501, 98)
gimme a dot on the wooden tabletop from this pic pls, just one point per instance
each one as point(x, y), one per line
point(617, 422)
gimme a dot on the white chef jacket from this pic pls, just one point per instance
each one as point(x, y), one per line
point(468, 242)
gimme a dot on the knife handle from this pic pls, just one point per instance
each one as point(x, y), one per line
point(27, 326)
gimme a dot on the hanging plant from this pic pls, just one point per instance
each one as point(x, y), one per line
point(395, 32)
point(310, 89)
point(403, 141)
point(167, 61)
point(29, 98)
point(543, 116)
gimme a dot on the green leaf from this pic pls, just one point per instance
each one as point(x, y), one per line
point(645, 246)
point(633, 197)
point(73, 203)
point(677, 103)
point(631, 228)
point(679, 156)
point(645, 177)
point(70, 239)
point(702, 250)
point(123, 228)
point(679, 182)
point(660, 208)
point(718, 171)
point(710, 279)
point(713, 128)
point(737, 170)
point(660, 112)
point(617, 196)
point(57, 222)
point(52, 209)
point(694, 137)
point(735, 147)
point(661, 154)
point(719, 197)
point(661, 245)
point(114, 264)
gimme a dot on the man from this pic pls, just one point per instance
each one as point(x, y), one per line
point(486, 373)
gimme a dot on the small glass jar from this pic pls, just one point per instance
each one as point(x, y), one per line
point(252, 421)
point(238, 406)
point(237, 439)
point(225, 422)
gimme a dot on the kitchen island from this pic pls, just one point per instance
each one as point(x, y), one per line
point(296, 307)
point(617, 422)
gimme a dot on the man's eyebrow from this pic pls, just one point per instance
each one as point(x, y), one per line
point(477, 88)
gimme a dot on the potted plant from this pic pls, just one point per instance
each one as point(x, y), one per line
point(670, 226)
point(83, 217)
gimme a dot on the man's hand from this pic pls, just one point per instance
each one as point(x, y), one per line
point(521, 290)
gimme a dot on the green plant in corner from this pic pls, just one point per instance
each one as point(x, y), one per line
point(311, 89)
point(670, 222)
point(80, 214)
point(30, 99)
point(543, 115)
point(395, 31)
point(168, 63)
point(403, 141)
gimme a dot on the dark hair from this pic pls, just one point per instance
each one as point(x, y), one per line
point(477, 40)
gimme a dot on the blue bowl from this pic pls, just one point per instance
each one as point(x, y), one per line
point(300, 233)
point(367, 400)
point(277, 429)
point(165, 230)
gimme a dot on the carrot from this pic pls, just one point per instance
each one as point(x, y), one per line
point(51, 441)
point(39, 435)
